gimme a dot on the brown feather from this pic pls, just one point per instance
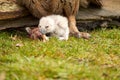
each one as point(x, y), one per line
point(91, 3)
point(41, 8)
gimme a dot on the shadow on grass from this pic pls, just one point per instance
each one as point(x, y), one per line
point(16, 31)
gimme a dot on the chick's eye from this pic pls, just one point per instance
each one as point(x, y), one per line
point(39, 26)
point(46, 26)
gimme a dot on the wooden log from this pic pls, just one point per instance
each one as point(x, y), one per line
point(10, 10)
point(19, 22)
point(110, 9)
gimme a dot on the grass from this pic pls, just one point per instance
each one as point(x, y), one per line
point(76, 59)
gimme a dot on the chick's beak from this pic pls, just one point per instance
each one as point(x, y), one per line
point(42, 31)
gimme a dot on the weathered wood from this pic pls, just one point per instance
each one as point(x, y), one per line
point(10, 10)
point(9, 19)
point(19, 22)
point(110, 9)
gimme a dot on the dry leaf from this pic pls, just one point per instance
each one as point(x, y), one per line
point(19, 45)
point(2, 76)
point(14, 37)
